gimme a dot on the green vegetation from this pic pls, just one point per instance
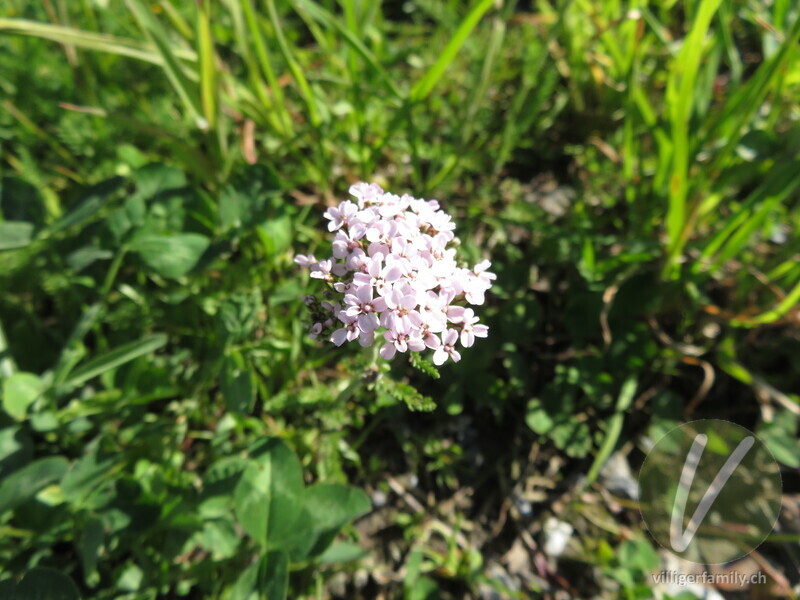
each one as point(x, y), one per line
point(168, 430)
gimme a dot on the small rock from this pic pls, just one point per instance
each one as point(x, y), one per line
point(556, 536)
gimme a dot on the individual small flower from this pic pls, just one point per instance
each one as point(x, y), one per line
point(339, 216)
point(400, 342)
point(365, 308)
point(351, 332)
point(470, 329)
point(447, 348)
point(378, 276)
point(316, 329)
point(304, 260)
point(401, 315)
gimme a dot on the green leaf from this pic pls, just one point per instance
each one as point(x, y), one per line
point(19, 392)
point(93, 200)
point(340, 552)
point(268, 497)
point(171, 256)
point(153, 178)
point(88, 547)
point(237, 384)
point(276, 234)
point(329, 507)
point(24, 484)
point(267, 579)
point(116, 357)
point(16, 449)
point(85, 474)
point(42, 583)
point(780, 437)
point(538, 418)
point(220, 538)
point(15, 234)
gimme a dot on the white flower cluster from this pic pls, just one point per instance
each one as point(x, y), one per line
point(394, 267)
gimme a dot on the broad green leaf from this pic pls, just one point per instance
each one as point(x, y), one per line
point(220, 538)
point(171, 256)
point(237, 384)
point(116, 357)
point(537, 417)
point(340, 552)
point(88, 547)
point(332, 505)
point(85, 474)
point(266, 579)
point(780, 437)
point(16, 449)
point(42, 583)
point(276, 580)
point(269, 495)
point(19, 392)
point(276, 234)
point(153, 178)
point(329, 506)
point(88, 207)
point(15, 234)
point(24, 484)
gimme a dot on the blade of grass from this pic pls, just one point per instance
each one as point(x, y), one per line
point(319, 14)
point(33, 128)
point(743, 104)
point(205, 50)
point(680, 100)
point(87, 40)
point(729, 241)
point(624, 400)
point(425, 85)
point(116, 357)
point(178, 22)
point(186, 91)
point(783, 307)
point(294, 66)
point(450, 163)
point(279, 103)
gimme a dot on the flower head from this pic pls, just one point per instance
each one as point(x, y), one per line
point(393, 271)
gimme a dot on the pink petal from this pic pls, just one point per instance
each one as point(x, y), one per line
point(339, 336)
point(439, 357)
point(467, 339)
point(367, 323)
point(366, 339)
point(480, 331)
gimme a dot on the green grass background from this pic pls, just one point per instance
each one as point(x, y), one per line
point(630, 168)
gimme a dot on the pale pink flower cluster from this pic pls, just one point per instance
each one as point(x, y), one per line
point(394, 273)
